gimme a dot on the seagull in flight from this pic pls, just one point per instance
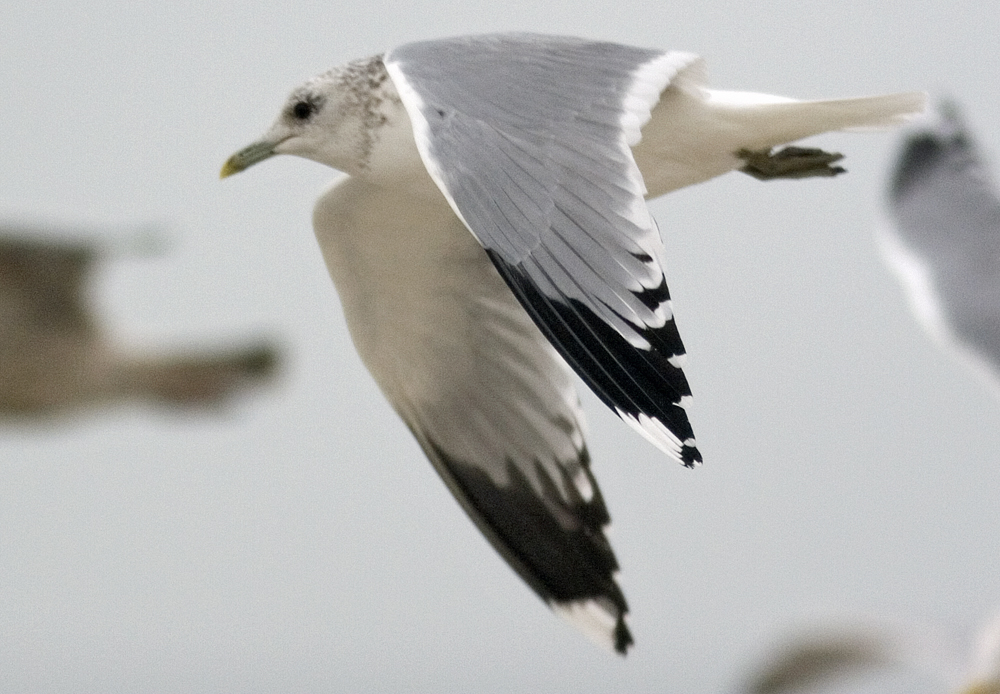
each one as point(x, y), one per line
point(825, 655)
point(56, 357)
point(943, 239)
point(491, 237)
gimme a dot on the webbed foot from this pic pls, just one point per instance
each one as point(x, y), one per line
point(790, 162)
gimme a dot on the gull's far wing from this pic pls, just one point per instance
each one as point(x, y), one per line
point(487, 397)
point(529, 139)
point(945, 238)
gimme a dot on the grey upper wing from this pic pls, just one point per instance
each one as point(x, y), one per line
point(946, 215)
point(529, 139)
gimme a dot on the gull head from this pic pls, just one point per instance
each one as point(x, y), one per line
point(334, 119)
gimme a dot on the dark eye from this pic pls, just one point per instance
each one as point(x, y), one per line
point(303, 109)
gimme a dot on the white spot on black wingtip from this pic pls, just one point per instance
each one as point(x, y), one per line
point(690, 455)
point(581, 480)
point(601, 621)
point(657, 433)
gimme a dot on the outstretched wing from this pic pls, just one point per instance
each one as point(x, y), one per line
point(491, 403)
point(529, 138)
point(945, 239)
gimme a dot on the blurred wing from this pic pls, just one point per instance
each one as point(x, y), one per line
point(42, 282)
point(945, 239)
point(488, 399)
point(810, 662)
point(984, 672)
point(529, 139)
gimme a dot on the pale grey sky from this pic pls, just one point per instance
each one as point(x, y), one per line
point(300, 542)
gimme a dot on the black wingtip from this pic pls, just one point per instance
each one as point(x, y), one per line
point(631, 380)
point(567, 565)
point(690, 456)
point(591, 615)
point(623, 637)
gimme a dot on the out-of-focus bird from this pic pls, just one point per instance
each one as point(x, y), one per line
point(943, 238)
point(56, 357)
point(492, 228)
point(812, 660)
point(822, 658)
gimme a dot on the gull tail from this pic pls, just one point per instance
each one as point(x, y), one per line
point(695, 133)
point(768, 121)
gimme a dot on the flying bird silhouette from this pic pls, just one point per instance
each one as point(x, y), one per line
point(56, 357)
point(492, 236)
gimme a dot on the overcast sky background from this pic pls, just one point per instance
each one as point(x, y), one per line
point(300, 542)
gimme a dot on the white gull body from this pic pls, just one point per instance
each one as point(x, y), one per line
point(492, 236)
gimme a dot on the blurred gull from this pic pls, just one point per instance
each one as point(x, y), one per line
point(544, 148)
point(813, 661)
point(943, 241)
point(56, 357)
